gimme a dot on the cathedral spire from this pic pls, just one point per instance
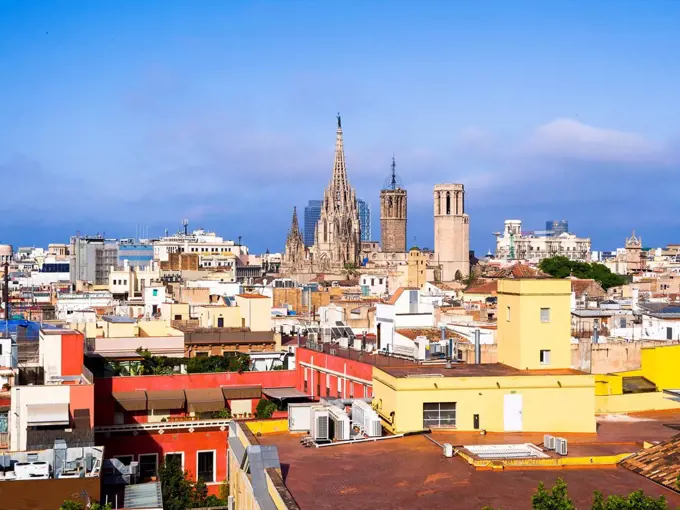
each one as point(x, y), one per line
point(339, 185)
point(295, 226)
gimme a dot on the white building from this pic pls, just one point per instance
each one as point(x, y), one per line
point(514, 244)
point(407, 308)
point(373, 284)
point(130, 280)
point(154, 296)
point(200, 242)
point(67, 304)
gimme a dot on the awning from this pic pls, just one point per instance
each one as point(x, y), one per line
point(283, 393)
point(47, 414)
point(131, 400)
point(204, 400)
point(236, 392)
point(165, 399)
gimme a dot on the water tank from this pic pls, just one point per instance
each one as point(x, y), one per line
point(448, 450)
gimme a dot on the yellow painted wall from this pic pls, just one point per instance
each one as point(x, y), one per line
point(268, 426)
point(522, 335)
point(550, 403)
point(208, 316)
point(417, 269)
point(661, 365)
point(120, 329)
point(634, 402)
point(157, 328)
point(257, 312)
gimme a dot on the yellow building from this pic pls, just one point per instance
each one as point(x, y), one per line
point(534, 390)
point(219, 316)
point(256, 310)
point(642, 389)
point(416, 262)
point(534, 323)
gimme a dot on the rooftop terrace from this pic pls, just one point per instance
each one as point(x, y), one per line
point(411, 472)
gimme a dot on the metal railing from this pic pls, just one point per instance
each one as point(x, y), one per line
point(162, 426)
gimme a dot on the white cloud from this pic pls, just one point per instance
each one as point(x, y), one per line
point(568, 138)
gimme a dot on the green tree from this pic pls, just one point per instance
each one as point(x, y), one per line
point(635, 501)
point(76, 505)
point(562, 267)
point(555, 498)
point(178, 491)
point(265, 408)
point(350, 269)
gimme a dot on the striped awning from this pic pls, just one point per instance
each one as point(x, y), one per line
point(165, 399)
point(204, 400)
point(131, 400)
point(237, 392)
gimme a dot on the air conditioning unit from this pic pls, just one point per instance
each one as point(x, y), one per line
point(549, 442)
point(320, 424)
point(340, 425)
point(40, 469)
point(373, 425)
point(561, 445)
point(23, 470)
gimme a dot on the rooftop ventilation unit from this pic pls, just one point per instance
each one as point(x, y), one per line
point(23, 470)
point(340, 426)
point(320, 424)
point(549, 442)
point(561, 445)
point(366, 418)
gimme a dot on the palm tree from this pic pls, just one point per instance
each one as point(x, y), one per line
point(350, 269)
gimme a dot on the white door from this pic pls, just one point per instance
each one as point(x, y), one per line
point(512, 413)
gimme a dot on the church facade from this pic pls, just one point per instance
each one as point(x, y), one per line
point(337, 239)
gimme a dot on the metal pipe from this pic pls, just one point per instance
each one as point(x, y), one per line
point(478, 347)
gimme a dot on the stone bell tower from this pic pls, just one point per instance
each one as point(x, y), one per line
point(393, 214)
point(451, 231)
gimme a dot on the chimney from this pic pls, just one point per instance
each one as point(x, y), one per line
point(478, 347)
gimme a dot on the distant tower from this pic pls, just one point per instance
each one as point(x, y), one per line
point(451, 231)
point(635, 257)
point(393, 214)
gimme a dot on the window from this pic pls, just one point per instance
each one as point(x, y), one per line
point(155, 292)
point(507, 316)
point(545, 357)
point(125, 459)
point(176, 457)
point(622, 323)
point(148, 465)
point(206, 466)
point(201, 354)
point(545, 314)
point(380, 280)
point(439, 415)
point(178, 317)
point(124, 282)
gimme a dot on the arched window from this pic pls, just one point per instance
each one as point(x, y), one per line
point(438, 203)
point(325, 231)
point(448, 203)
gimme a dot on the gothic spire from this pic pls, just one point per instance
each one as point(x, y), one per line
point(295, 226)
point(339, 185)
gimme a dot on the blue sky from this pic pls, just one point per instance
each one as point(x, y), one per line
point(117, 114)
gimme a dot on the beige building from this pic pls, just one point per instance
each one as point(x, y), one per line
point(451, 231)
point(513, 244)
point(393, 215)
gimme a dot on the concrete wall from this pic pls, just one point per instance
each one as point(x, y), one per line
point(23, 396)
point(332, 376)
point(257, 312)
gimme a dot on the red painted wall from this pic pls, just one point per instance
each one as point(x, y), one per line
point(82, 397)
point(177, 441)
point(318, 380)
point(104, 387)
point(72, 353)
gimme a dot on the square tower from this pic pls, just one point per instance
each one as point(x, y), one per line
point(393, 220)
point(534, 323)
point(451, 231)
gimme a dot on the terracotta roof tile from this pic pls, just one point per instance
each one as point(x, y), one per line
point(660, 463)
point(518, 270)
point(395, 297)
point(252, 296)
point(483, 288)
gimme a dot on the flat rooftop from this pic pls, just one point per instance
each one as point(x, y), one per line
point(411, 472)
point(471, 370)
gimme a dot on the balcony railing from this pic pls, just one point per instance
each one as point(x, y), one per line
point(165, 425)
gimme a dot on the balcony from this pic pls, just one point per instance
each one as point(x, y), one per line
point(4, 439)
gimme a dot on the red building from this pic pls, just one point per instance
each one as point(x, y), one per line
point(148, 418)
point(322, 375)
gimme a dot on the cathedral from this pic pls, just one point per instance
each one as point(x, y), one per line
point(337, 239)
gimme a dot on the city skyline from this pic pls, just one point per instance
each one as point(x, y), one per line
point(226, 121)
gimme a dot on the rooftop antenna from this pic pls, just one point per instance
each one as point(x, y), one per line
point(185, 222)
point(239, 240)
point(393, 182)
